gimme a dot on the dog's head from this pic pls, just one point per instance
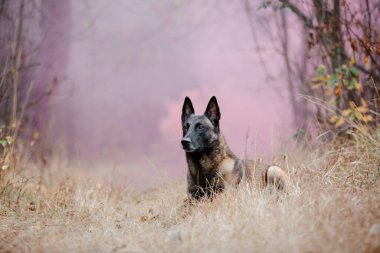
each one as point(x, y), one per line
point(200, 132)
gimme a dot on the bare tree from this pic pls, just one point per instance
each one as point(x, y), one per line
point(342, 36)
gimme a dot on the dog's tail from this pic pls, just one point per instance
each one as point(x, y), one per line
point(276, 177)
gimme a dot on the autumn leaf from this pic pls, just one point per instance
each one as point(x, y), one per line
point(364, 103)
point(363, 128)
point(36, 135)
point(334, 119)
point(346, 112)
point(316, 80)
point(339, 122)
point(358, 115)
point(352, 104)
point(367, 118)
point(316, 86)
point(359, 86)
point(354, 45)
point(328, 92)
point(362, 109)
point(338, 90)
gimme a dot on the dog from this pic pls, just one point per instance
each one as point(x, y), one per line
point(212, 166)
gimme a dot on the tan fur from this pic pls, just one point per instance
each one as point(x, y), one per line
point(212, 166)
point(277, 177)
point(226, 168)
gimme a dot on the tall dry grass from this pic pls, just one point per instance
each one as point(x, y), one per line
point(333, 206)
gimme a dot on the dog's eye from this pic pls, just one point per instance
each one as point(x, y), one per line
point(186, 127)
point(200, 126)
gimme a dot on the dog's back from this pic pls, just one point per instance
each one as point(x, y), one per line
point(262, 174)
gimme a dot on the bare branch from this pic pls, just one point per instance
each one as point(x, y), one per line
point(248, 8)
point(305, 20)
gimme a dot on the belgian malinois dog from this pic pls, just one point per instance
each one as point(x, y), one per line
point(211, 164)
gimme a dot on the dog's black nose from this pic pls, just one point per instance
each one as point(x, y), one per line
point(185, 142)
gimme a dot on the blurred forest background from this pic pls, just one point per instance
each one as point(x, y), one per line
point(101, 83)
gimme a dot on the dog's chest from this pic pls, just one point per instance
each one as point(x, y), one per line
point(226, 170)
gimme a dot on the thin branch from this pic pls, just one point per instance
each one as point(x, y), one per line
point(16, 66)
point(308, 22)
point(289, 70)
point(248, 8)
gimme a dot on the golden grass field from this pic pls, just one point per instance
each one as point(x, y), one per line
point(333, 206)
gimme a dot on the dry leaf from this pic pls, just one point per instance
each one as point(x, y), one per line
point(339, 122)
point(364, 103)
point(143, 218)
point(359, 86)
point(338, 90)
point(363, 128)
point(346, 112)
point(367, 118)
point(362, 109)
point(352, 104)
point(334, 119)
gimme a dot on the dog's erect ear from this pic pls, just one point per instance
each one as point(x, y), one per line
point(212, 111)
point(187, 109)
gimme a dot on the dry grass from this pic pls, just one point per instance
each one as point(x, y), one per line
point(334, 202)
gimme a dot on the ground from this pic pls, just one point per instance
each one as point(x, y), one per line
point(333, 206)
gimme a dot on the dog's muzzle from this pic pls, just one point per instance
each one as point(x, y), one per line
point(188, 146)
point(186, 143)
